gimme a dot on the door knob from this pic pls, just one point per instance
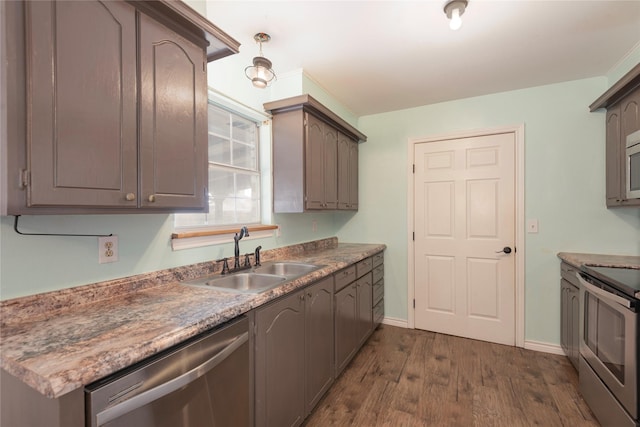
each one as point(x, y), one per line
point(506, 250)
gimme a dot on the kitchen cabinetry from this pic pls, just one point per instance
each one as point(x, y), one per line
point(116, 123)
point(378, 288)
point(354, 311)
point(622, 102)
point(347, 173)
point(294, 355)
point(570, 313)
point(315, 157)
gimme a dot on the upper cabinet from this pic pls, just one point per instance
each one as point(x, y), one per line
point(622, 102)
point(108, 106)
point(315, 157)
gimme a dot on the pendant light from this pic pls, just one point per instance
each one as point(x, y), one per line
point(454, 10)
point(260, 73)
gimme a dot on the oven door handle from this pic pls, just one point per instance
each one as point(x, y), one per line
point(170, 386)
point(608, 296)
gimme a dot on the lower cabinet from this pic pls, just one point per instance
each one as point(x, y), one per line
point(293, 355)
point(353, 318)
point(570, 314)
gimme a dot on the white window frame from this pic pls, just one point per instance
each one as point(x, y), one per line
point(224, 233)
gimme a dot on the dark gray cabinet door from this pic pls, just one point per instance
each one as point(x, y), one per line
point(614, 158)
point(321, 164)
point(314, 162)
point(173, 119)
point(346, 325)
point(330, 174)
point(318, 341)
point(81, 67)
point(364, 287)
point(279, 373)
point(347, 173)
point(353, 175)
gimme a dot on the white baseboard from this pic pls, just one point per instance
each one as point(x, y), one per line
point(544, 347)
point(391, 321)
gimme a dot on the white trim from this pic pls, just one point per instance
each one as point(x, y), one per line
point(544, 347)
point(392, 321)
point(518, 131)
point(220, 99)
point(218, 239)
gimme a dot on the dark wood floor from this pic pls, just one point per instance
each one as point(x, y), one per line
point(405, 377)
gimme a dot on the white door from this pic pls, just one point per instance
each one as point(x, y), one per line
point(464, 218)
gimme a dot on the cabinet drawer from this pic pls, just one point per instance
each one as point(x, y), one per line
point(378, 273)
point(363, 267)
point(378, 292)
point(345, 276)
point(378, 259)
point(378, 312)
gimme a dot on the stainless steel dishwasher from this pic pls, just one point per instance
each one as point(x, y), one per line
point(203, 382)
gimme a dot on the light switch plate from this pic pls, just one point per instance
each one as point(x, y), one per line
point(532, 226)
point(107, 249)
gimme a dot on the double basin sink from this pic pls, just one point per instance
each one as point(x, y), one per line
point(257, 280)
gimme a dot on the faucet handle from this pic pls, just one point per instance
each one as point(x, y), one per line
point(257, 256)
point(225, 266)
point(247, 261)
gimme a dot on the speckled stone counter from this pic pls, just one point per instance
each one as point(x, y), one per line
point(61, 341)
point(578, 260)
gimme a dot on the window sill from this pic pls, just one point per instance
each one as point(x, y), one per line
point(199, 238)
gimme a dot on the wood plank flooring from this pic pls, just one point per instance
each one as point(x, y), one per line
point(405, 377)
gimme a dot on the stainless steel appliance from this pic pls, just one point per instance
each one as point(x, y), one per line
point(633, 165)
point(609, 343)
point(204, 382)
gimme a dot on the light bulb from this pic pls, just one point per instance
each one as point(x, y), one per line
point(456, 21)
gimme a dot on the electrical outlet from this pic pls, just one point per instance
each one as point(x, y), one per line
point(107, 249)
point(314, 225)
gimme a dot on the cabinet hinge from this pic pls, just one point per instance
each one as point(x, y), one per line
point(25, 178)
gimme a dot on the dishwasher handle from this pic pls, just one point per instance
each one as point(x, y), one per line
point(607, 296)
point(170, 386)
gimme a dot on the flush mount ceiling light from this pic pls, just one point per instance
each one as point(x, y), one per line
point(454, 10)
point(260, 73)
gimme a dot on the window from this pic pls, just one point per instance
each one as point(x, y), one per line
point(234, 173)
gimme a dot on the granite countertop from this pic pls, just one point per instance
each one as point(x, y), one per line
point(600, 260)
point(61, 341)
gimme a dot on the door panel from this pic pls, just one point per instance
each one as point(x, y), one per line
point(464, 216)
point(173, 140)
point(314, 158)
point(83, 141)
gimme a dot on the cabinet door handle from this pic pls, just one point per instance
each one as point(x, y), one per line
point(152, 198)
point(130, 196)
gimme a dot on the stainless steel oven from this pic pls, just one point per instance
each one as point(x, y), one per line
point(609, 345)
point(202, 383)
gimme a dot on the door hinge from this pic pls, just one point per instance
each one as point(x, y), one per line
point(414, 168)
point(414, 303)
point(25, 178)
point(414, 236)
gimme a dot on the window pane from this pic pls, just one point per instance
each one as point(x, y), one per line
point(219, 122)
point(234, 196)
point(219, 150)
point(244, 155)
point(244, 130)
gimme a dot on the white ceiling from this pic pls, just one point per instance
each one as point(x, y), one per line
point(378, 56)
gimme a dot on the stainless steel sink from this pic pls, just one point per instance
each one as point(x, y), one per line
point(288, 269)
point(258, 280)
point(241, 282)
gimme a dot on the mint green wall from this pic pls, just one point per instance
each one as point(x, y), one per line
point(564, 186)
